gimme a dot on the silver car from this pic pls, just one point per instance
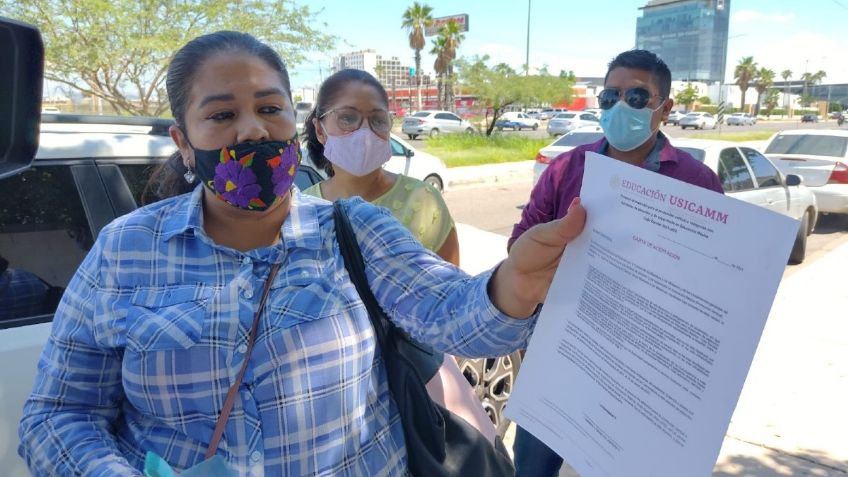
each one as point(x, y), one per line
point(564, 123)
point(748, 175)
point(433, 123)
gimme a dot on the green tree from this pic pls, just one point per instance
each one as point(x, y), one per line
point(500, 86)
point(762, 83)
point(379, 71)
point(119, 50)
point(415, 20)
point(686, 96)
point(705, 100)
point(770, 101)
point(806, 100)
point(744, 73)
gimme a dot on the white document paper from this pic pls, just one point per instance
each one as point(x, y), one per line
point(650, 325)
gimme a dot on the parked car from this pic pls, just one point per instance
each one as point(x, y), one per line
point(566, 122)
point(516, 121)
point(595, 111)
point(741, 119)
point(548, 113)
point(405, 160)
point(50, 110)
point(698, 120)
point(748, 175)
point(820, 157)
point(433, 123)
point(674, 118)
point(533, 113)
point(810, 118)
point(565, 143)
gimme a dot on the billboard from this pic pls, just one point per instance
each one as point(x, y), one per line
point(461, 19)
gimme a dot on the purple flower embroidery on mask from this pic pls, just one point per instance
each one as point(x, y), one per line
point(236, 184)
point(285, 167)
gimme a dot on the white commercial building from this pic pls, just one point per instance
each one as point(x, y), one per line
point(389, 70)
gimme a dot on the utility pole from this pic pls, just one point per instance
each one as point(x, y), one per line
point(527, 49)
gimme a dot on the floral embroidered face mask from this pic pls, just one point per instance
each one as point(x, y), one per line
point(250, 176)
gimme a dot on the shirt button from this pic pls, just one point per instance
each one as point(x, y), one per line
point(256, 456)
point(245, 260)
point(242, 348)
point(248, 294)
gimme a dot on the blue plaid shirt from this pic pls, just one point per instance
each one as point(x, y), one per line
point(153, 328)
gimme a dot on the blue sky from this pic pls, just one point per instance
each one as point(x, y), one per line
point(584, 35)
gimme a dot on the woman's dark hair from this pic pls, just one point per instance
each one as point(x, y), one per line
point(327, 95)
point(167, 180)
point(646, 61)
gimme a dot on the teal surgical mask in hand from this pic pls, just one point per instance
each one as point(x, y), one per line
point(216, 466)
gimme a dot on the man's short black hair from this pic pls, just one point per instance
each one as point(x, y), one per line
point(646, 61)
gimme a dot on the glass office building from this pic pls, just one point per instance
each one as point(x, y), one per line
point(689, 35)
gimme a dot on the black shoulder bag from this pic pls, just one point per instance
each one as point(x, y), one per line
point(438, 443)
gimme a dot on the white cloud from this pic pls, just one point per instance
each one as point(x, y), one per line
point(745, 16)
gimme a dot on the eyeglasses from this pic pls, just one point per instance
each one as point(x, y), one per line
point(350, 119)
point(636, 98)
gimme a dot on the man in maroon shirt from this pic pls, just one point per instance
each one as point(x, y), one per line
point(634, 101)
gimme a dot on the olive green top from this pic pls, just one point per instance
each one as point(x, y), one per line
point(417, 205)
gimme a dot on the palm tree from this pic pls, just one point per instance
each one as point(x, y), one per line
point(762, 82)
point(440, 66)
point(416, 19)
point(452, 34)
point(786, 74)
point(744, 73)
point(810, 79)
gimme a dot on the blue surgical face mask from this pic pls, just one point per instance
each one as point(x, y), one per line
point(627, 128)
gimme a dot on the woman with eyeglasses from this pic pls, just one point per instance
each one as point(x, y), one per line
point(634, 101)
point(347, 135)
point(219, 328)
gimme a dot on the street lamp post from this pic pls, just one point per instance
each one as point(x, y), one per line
point(527, 48)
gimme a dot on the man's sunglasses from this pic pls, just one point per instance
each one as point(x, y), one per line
point(636, 98)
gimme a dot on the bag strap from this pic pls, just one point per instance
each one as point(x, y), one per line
point(355, 265)
point(233, 391)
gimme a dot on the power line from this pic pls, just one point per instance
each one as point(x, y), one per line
point(840, 4)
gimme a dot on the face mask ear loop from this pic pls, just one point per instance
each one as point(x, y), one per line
point(654, 131)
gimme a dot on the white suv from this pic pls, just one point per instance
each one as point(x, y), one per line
point(433, 123)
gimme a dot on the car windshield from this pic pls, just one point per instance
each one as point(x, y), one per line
point(693, 115)
point(422, 114)
point(698, 154)
point(564, 116)
point(812, 144)
point(578, 138)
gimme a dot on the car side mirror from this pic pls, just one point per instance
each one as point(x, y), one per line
point(408, 152)
point(794, 180)
point(21, 79)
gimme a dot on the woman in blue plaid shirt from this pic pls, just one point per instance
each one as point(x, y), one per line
point(153, 328)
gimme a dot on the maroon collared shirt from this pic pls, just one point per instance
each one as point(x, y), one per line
point(562, 180)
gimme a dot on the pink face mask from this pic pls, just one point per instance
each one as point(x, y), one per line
point(359, 153)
